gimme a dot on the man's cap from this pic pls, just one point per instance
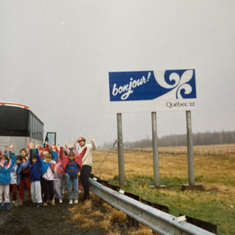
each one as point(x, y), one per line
point(80, 139)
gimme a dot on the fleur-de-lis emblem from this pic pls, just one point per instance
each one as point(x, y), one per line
point(180, 84)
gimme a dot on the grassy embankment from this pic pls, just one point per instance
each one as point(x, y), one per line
point(214, 168)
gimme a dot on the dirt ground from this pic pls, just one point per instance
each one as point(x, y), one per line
point(50, 220)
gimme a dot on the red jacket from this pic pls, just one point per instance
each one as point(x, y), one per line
point(77, 159)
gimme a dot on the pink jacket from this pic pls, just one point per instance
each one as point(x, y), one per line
point(59, 167)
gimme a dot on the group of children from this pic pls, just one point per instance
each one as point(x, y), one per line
point(45, 171)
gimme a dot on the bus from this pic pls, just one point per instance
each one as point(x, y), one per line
point(19, 125)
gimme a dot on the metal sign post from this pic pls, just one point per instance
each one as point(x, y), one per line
point(120, 150)
point(190, 148)
point(155, 150)
point(191, 184)
point(156, 171)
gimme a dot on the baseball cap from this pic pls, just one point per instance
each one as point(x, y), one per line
point(80, 139)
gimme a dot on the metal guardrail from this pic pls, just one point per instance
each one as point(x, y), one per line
point(155, 219)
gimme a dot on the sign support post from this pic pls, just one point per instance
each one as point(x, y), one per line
point(120, 150)
point(191, 184)
point(155, 152)
point(190, 148)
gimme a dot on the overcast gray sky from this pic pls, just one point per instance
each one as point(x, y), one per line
point(55, 57)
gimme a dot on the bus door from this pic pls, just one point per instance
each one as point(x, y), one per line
point(51, 138)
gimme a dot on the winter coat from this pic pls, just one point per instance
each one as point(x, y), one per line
point(5, 169)
point(59, 166)
point(35, 168)
point(19, 168)
point(46, 165)
point(77, 159)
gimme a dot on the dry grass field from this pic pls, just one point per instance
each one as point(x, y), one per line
point(214, 168)
point(213, 165)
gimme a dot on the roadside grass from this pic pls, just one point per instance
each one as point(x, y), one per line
point(86, 215)
point(214, 168)
point(89, 217)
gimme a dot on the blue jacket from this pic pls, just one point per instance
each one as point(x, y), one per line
point(46, 165)
point(54, 155)
point(20, 168)
point(5, 169)
point(35, 168)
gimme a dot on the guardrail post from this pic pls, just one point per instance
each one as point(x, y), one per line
point(131, 221)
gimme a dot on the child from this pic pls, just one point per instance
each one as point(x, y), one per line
point(75, 150)
point(48, 165)
point(25, 179)
point(72, 165)
point(13, 184)
point(15, 173)
point(6, 165)
point(35, 176)
point(57, 174)
point(63, 182)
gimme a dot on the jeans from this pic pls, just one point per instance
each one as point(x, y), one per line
point(72, 185)
point(63, 184)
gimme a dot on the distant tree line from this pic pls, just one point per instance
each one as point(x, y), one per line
point(207, 138)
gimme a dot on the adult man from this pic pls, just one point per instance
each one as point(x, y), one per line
point(86, 163)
